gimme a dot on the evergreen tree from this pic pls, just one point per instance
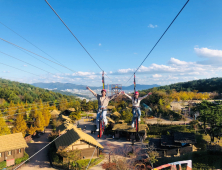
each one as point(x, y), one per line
point(20, 125)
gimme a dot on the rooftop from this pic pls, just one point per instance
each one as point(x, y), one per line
point(74, 135)
point(12, 141)
point(128, 128)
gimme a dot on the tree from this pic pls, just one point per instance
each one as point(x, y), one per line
point(4, 130)
point(46, 114)
point(75, 115)
point(31, 130)
point(39, 122)
point(11, 110)
point(20, 125)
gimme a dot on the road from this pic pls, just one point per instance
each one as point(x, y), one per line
point(164, 121)
point(40, 160)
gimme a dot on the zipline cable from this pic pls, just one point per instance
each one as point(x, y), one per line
point(36, 54)
point(29, 42)
point(21, 70)
point(159, 40)
point(37, 58)
point(25, 62)
point(74, 36)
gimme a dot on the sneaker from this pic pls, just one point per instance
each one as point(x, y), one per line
point(139, 119)
point(133, 125)
point(97, 130)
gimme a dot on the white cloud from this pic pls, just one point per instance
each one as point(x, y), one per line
point(208, 53)
point(152, 26)
point(24, 65)
point(135, 53)
point(6, 71)
point(178, 62)
point(156, 75)
point(100, 44)
point(110, 72)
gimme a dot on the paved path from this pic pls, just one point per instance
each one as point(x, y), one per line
point(164, 121)
point(41, 160)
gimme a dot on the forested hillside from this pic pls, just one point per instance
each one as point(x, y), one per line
point(21, 92)
point(202, 85)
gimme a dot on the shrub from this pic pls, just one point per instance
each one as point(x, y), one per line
point(80, 164)
point(2, 164)
point(19, 160)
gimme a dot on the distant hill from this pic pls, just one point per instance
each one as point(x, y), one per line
point(202, 85)
point(64, 86)
point(21, 92)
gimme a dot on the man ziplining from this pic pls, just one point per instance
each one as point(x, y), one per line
point(103, 102)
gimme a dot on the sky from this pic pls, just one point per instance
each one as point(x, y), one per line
point(118, 34)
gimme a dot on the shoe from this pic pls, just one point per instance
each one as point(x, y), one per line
point(97, 130)
point(133, 125)
point(139, 119)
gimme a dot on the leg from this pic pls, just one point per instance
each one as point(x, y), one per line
point(104, 117)
point(134, 118)
point(139, 113)
point(97, 121)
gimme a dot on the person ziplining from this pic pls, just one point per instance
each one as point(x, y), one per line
point(136, 103)
point(103, 102)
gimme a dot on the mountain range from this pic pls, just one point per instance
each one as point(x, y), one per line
point(65, 86)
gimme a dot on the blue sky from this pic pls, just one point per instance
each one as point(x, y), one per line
point(118, 34)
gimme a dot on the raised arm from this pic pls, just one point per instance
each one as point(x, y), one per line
point(141, 98)
point(114, 96)
point(91, 91)
point(127, 95)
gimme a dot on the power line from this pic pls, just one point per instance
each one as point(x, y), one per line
point(36, 54)
point(29, 42)
point(159, 39)
point(20, 69)
point(38, 59)
point(75, 37)
point(24, 62)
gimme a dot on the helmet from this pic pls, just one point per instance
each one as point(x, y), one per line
point(136, 93)
point(103, 90)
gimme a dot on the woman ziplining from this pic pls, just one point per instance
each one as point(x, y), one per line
point(103, 102)
point(136, 105)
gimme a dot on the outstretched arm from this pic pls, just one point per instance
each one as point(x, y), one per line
point(91, 91)
point(114, 96)
point(141, 98)
point(127, 95)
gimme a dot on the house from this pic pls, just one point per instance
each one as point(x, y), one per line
point(65, 119)
point(115, 115)
point(125, 130)
point(173, 145)
point(74, 139)
point(12, 147)
point(55, 113)
point(28, 138)
point(61, 129)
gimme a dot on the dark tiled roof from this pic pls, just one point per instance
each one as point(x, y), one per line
point(167, 140)
point(181, 137)
point(156, 142)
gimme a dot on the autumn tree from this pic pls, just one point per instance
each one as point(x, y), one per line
point(20, 125)
point(31, 130)
point(75, 115)
point(4, 130)
point(11, 110)
point(63, 104)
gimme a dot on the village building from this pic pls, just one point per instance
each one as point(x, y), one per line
point(55, 113)
point(12, 146)
point(75, 138)
point(64, 119)
point(124, 130)
point(174, 145)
